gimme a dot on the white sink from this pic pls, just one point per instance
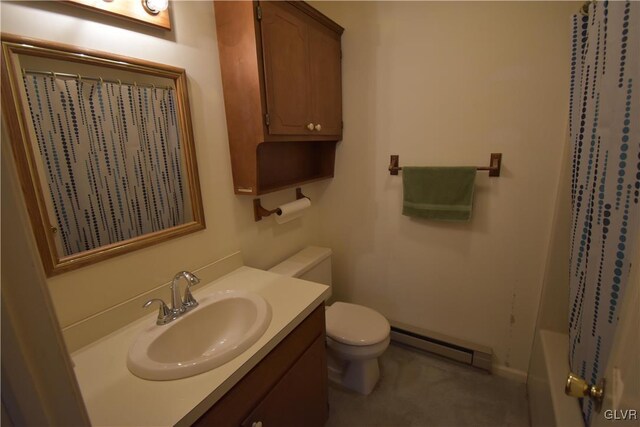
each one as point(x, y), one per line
point(225, 324)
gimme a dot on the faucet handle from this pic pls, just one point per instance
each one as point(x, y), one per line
point(189, 301)
point(164, 313)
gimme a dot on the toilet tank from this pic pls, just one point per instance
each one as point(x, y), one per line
point(312, 263)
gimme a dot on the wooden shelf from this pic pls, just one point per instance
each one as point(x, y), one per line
point(286, 164)
point(281, 75)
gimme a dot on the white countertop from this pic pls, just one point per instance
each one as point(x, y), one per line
point(115, 397)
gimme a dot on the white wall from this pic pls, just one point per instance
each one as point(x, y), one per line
point(230, 226)
point(447, 83)
point(441, 83)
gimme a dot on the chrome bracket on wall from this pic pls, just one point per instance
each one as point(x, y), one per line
point(259, 212)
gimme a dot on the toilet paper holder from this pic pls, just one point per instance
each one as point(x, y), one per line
point(259, 212)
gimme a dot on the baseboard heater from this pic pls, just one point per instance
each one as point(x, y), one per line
point(472, 354)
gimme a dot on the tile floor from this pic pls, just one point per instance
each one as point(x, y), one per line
point(420, 389)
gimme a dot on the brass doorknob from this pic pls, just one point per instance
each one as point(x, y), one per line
point(310, 126)
point(578, 387)
point(318, 127)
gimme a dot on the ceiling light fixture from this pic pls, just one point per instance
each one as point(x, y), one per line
point(154, 7)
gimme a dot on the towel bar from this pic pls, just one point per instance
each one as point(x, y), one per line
point(495, 163)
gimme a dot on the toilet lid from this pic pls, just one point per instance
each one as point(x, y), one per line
point(355, 325)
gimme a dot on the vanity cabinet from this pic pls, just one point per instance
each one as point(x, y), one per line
point(287, 388)
point(281, 74)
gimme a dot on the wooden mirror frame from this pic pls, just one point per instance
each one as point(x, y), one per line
point(18, 124)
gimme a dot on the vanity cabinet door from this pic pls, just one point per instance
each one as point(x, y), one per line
point(285, 53)
point(300, 397)
point(287, 388)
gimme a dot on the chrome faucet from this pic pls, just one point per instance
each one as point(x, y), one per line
point(182, 305)
point(179, 305)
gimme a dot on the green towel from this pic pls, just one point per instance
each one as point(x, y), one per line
point(439, 193)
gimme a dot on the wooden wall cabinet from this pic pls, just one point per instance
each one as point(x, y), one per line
point(287, 388)
point(281, 75)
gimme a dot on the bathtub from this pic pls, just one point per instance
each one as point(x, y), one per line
point(548, 405)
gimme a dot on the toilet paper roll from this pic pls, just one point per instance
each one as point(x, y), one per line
point(293, 210)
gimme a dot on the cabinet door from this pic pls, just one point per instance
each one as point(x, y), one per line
point(285, 40)
point(326, 79)
point(300, 398)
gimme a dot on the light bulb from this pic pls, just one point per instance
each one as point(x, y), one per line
point(155, 6)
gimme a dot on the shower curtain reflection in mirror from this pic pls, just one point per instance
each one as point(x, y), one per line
point(111, 157)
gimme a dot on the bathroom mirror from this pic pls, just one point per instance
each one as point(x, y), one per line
point(104, 149)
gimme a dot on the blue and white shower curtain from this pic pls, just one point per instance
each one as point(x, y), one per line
point(112, 157)
point(605, 183)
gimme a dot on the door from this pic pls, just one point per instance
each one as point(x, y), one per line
point(621, 406)
point(326, 79)
point(285, 54)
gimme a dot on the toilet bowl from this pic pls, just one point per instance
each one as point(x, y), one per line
point(356, 335)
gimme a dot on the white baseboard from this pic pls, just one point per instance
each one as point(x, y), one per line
point(510, 373)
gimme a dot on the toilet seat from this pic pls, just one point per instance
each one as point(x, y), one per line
point(356, 325)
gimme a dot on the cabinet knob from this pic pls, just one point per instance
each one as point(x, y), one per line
point(310, 127)
point(257, 424)
point(318, 127)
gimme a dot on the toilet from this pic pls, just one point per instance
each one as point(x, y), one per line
point(356, 335)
